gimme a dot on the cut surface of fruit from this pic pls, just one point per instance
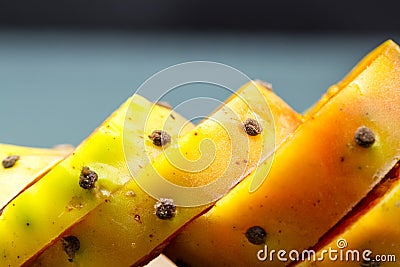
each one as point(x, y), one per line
point(23, 166)
point(219, 152)
point(127, 225)
point(40, 214)
point(370, 236)
point(317, 176)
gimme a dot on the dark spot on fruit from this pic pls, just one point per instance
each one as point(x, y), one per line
point(70, 245)
point(27, 224)
point(137, 218)
point(252, 127)
point(341, 159)
point(10, 161)
point(160, 138)
point(364, 137)
point(256, 235)
point(165, 208)
point(88, 178)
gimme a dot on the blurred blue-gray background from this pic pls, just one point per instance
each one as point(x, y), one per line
point(66, 65)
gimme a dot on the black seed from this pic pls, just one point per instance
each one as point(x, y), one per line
point(364, 137)
point(160, 138)
point(256, 235)
point(10, 161)
point(70, 245)
point(252, 127)
point(88, 178)
point(165, 208)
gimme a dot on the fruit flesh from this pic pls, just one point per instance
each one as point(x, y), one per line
point(44, 211)
point(219, 149)
point(317, 176)
point(126, 224)
point(374, 228)
point(32, 165)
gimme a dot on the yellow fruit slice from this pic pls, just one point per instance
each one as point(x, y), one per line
point(125, 231)
point(318, 175)
point(370, 237)
point(23, 166)
point(61, 198)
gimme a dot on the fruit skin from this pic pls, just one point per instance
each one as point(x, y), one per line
point(317, 176)
point(40, 214)
point(31, 166)
point(125, 231)
point(356, 71)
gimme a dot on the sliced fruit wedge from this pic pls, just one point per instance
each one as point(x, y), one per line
point(318, 175)
point(125, 230)
point(23, 166)
point(369, 236)
point(79, 184)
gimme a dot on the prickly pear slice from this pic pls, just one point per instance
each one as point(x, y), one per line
point(79, 184)
point(125, 231)
point(318, 175)
point(368, 236)
point(23, 166)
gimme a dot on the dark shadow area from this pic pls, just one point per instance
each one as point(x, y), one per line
point(206, 15)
